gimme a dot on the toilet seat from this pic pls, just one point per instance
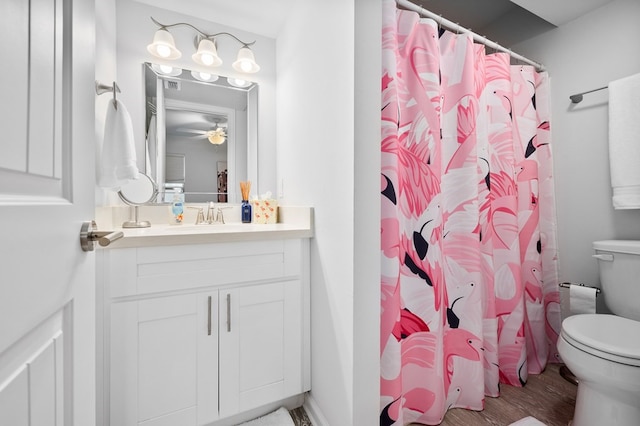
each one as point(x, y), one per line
point(606, 336)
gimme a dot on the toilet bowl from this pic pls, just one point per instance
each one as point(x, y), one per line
point(603, 350)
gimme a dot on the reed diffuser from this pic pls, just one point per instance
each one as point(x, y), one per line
point(245, 208)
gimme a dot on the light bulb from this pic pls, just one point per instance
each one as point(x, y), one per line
point(205, 75)
point(163, 51)
point(246, 66)
point(167, 69)
point(206, 59)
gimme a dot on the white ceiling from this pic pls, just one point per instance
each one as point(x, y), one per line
point(264, 17)
point(509, 22)
point(560, 12)
point(267, 17)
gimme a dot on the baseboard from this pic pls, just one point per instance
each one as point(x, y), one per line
point(313, 411)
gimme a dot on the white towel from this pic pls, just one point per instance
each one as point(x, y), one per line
point(624, 141)
point(118, 162)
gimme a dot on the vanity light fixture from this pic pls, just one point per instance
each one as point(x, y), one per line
point(206, 55)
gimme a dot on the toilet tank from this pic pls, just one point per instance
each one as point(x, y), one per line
point(619, 266)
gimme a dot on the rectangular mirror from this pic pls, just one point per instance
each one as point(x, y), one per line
point(201, 133)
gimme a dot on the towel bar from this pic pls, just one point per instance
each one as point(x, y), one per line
point(577, 98)
point(102, 88)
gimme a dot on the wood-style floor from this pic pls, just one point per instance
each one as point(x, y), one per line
point(548, 397)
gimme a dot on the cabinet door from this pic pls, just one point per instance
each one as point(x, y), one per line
point(260, 345)
point(164, 361)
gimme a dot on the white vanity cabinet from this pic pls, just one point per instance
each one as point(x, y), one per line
point(197, 333)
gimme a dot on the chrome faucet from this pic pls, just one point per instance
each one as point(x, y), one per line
point(210, 213)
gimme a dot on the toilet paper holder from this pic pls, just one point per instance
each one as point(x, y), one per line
point(568, 285)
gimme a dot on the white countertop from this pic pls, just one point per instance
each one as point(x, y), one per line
point(295, 222)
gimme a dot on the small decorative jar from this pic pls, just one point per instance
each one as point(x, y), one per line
point(245, 209)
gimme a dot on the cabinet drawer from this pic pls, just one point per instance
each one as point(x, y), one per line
point(146, 270)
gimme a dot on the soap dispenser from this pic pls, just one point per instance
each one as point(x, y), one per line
point(177, 207)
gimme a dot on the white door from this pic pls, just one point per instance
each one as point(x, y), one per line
point(47, 326)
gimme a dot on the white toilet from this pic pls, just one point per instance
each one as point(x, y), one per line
point(603, 351)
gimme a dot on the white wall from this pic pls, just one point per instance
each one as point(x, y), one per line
point(135, 31)
point(105, 73)
point(582, 55)
point(366, 307)
point(315, 99)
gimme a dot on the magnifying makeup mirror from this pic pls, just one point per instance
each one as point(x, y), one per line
point(135, 193)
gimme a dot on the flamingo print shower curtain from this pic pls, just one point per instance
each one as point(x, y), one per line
point(469, 286)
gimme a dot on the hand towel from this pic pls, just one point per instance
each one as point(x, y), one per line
point(118, 160)
point(624, 141)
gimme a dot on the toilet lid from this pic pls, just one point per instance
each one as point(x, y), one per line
point(607, 336)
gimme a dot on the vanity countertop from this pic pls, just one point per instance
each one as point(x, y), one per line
point(294, 222)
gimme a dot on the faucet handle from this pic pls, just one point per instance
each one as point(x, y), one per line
point(200, 218)
point(220, 216)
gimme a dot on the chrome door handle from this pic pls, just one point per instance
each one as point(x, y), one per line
point(89, 235)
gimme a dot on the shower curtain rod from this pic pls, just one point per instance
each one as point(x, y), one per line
point(460, 29)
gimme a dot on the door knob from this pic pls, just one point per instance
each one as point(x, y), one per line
point(89, 235)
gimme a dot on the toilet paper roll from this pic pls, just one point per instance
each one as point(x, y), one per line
point(582, 299)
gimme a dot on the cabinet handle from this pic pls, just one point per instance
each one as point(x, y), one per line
point(209, 318)
point(228, 312)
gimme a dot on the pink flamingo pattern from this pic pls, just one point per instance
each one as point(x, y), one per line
point(469, 282)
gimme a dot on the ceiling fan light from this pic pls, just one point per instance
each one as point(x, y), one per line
point(217, 137)
point(207, 54)
point(163, 45)
point(246, 62)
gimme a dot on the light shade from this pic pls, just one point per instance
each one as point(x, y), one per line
point(246, 62)
point(207, 54)
point(217, 136)
point(163, 45)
